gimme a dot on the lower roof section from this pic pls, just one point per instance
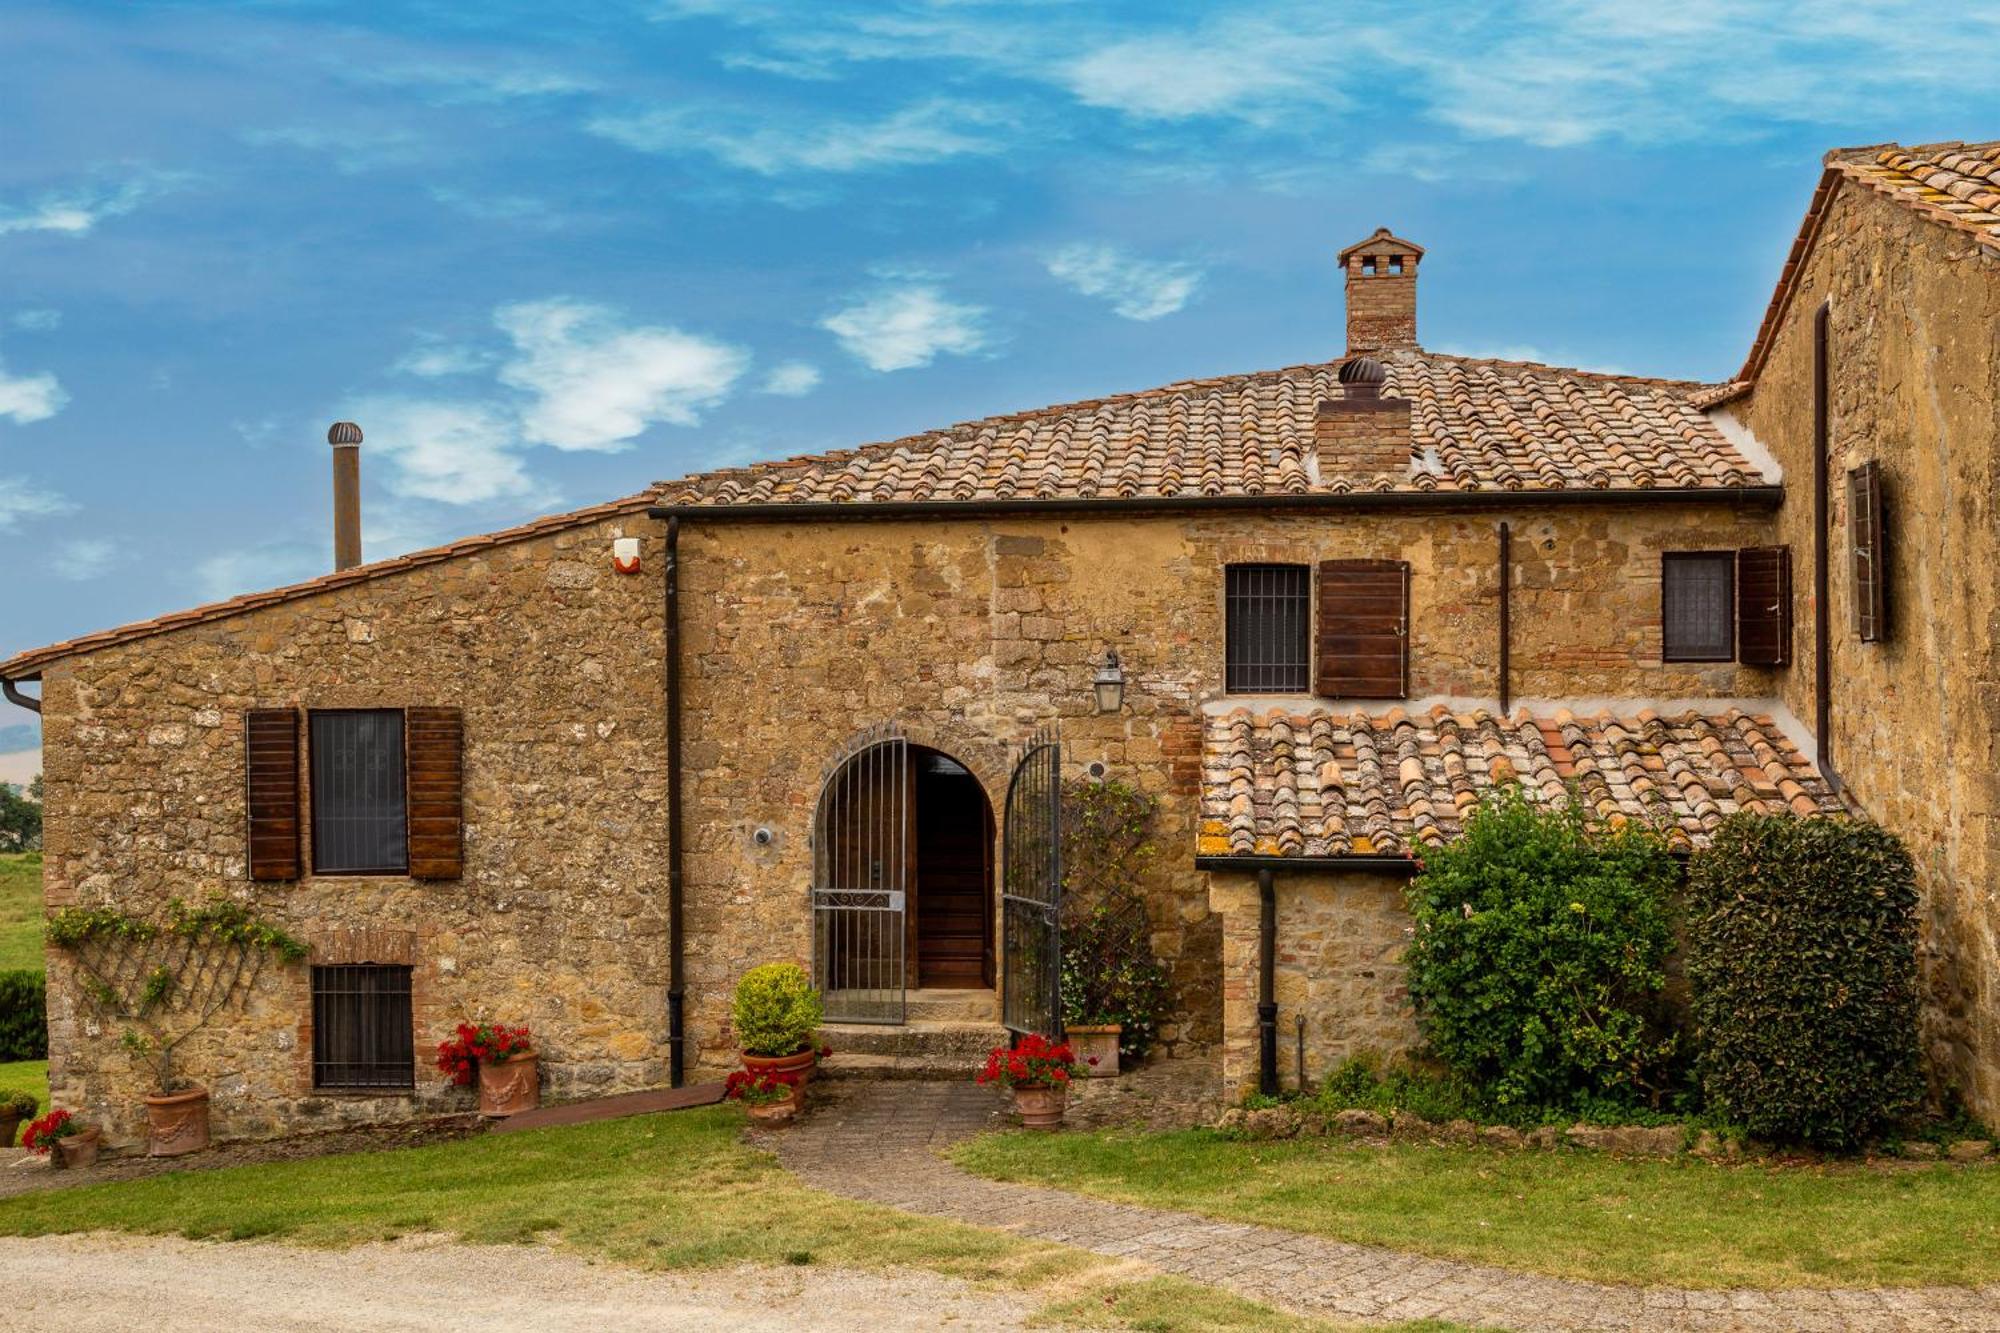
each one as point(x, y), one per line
point(1324, 785)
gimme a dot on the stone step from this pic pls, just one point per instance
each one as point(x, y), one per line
point(956, 1041)
point(952, 1006)
point(927, 1067)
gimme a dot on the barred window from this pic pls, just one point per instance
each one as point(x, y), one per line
point(1698, 606)
point(362, 1032)
point(1268, 629)
point(359, 814)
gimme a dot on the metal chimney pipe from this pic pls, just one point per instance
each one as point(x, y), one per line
point(345, 437)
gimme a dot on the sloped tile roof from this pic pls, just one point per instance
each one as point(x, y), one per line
point(1476, 425)
point(1954, 184)
point(27, 665)
point(1329, 784)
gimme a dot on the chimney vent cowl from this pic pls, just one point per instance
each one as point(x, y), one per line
point(343, 432)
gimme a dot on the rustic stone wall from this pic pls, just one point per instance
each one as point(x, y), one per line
point(799, 635)
point(1915, 380)
point(1341, 939)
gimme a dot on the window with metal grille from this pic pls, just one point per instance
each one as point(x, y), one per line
point(359, 812)
point(1268, 629)
point(1698, 606)
point(362, 1035)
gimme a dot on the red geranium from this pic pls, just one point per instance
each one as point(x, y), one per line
point(1032, 1062)
point(760, 1089)
point(42, 1134)
point(484, 1043)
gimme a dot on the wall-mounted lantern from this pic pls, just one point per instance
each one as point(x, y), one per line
point(625, 554)
point(1109, 683)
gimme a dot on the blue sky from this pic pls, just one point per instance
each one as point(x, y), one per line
point(545, 258)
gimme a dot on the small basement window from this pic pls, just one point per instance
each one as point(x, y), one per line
point(1698, 606)
point(1267, 629)
point(359, 810)
point(362, 1034)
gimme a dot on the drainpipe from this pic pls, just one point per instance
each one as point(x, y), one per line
point(676, 980)
point(1506, 617)
point(1267, 967)
point(14, 696)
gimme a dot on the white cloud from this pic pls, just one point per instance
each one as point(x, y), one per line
point(1252, 68)
point(353, 148)
point(449, 83)
point(791, 379)
point(898, 328)
point(19, 500)
point(75, 212)
point(83, 559)
point(927, 132)
point(26, 398)
point(435, 360)
point(36, 321)
point(454, 452)
point(272, 565)
point(1136, 288)
point(597, 384)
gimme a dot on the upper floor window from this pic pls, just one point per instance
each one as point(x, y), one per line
point(359, 808)
point(1698, 606)
point(1268, 629)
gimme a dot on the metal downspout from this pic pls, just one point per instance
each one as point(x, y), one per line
point(1267, 967)
point(676, 980)
point(14, 696)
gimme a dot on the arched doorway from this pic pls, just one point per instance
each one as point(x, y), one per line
point(902, 878)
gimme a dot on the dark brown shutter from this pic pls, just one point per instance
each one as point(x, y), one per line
point(1364, 624)
point(1867, 550)
point(271, 766)
point(435, 749)
point(1764, 605)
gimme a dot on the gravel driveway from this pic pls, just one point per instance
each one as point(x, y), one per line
point(103, 1283)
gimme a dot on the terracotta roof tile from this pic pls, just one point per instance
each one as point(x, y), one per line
point(1476, 425)
point(1326, 784)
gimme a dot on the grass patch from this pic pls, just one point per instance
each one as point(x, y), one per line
point(21, 911)
point(1681, 1222)
point(1176, 1305)
point(26, 1076)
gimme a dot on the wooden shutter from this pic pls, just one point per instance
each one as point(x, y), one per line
point(1764, 605)
point(1867, 549)
point(1364, 629)
point(271, 767)
point(434, 750)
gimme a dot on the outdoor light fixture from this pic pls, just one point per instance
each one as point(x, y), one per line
point(1109, 683)
point(625, 554)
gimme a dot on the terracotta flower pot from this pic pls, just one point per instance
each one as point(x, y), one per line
point(178, 1122)
point(511, 1086)
point(803, 1063)
point(78, 1149)
point(775, 1113)
point(10, 1124)
point(1098, 1043)
point(1041, 1107)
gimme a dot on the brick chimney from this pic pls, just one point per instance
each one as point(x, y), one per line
point(1381, 293)
point(1361, 436)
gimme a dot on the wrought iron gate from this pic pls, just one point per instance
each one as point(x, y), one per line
point(862, 851)
point(1031, 891)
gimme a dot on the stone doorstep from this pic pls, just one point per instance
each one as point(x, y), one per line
point(952, 1006)
point(913, 1050)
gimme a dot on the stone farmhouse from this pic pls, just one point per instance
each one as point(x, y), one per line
point(584, 772)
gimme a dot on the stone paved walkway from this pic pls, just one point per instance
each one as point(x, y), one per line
point(882, 1142)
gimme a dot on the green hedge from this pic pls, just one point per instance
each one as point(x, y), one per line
point(1801, 956)
point(24, 1025)
point(1538, 959)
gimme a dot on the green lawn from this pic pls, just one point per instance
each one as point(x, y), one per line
point(26, 1076)
point(658, 1192)
point(1682, 1222)
point(21, 911)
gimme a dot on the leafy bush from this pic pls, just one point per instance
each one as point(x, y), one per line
point(1110, 973)
point(1801, 956)
point(776, 1010)
point(24, 1026)
point(1538, 959)
point(1364, 1083)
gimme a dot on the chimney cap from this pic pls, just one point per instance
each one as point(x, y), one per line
point(1363, 370)
point(1383, 242)
point(343, 432)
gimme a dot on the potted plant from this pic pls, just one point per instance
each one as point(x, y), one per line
point(504, 1062)
point(777, 1013)
point(771, 1097)
point(1039, 1072)
point(14, 1108)
point(66, 1142)
point(166, 980)
point(1114, 991)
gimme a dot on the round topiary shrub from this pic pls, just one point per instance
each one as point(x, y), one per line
point(1537, 963)
point(1802, 962)
point(776, 1010)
